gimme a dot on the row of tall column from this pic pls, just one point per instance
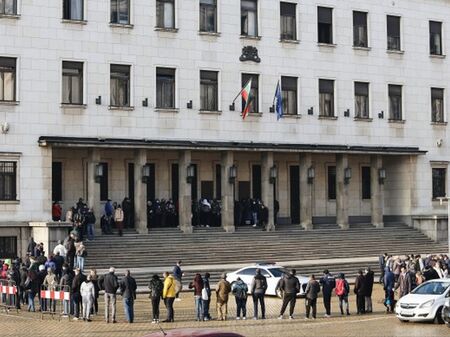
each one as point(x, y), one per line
point(227, 186)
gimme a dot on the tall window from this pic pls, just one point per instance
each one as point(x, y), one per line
point(72, 82)
point(393, 33)
point(365, 182)
point(289, 95)
point(435, 38)
point(361, 100)
point(120, 85)
point(208, 16)
point(288, 21)
point(437, 105)
point(57, 181)
point(326, 97)
point(254, 92)
point(360, 29)
point(7, 79)
point(165, 14)
point(104, 183)
point(439, 182)
point(249, 17)
point(165, 88)
point(209, 90)
point(331, 182)
point(120, 12)
point(395, 102)
point(73, 9)
point(8, 7)
point(8, 180)
point(325, 25)
point(8, 247)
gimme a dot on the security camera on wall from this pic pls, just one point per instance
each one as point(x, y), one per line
point(5, 127)
point(439, 142)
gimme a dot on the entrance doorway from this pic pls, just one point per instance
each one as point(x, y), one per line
point(256, 182)
point(294, 183)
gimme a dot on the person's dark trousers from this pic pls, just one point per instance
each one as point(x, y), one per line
point(128, 306)
point(169, 305)
point(360, 304)
point(76, 304)
point(155, 307)
point(259, 297)
point(241, 305)
point(206, 314)
point(288, 299)
point(70, 259)
point(311, 304)
point(327, 303)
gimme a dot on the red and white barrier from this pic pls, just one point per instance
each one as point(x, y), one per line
point(55, 295)
point(9, 290)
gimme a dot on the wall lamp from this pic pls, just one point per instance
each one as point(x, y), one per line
point(98, 100)
point(190, 173)
point(232, 174)
point(381, 176)
point(311, 174)
point(273, 174)
point(146, 172)
point(99, 173)
point(347, 175)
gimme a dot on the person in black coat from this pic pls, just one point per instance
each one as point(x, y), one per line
point(360, 291)
point(76, 294)
point(328, 283)
point(369, 280)
point(128, 290)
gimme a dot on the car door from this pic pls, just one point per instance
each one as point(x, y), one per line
point(247, 275)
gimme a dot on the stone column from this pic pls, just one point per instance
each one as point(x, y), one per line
point(341, 192)
point(185, 197)
point(305, 192)
point(140, 198)
point(267, 193)
point(93, 188)
point(376, 191)
point(227, 192)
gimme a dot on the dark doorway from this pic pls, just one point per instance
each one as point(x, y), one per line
point(218, 182)
point(295, 193)
point(207, 189)
point(256, 182)
point(244, 190)
point(130, 223)
point(57, 181)
point(151, 184)
point(175, 183)
point(194, 188)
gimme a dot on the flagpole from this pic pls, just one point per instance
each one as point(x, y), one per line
point(240, 92)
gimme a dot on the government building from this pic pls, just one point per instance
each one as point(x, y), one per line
point(109, 99)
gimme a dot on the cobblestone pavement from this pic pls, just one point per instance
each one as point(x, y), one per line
point(377, 324)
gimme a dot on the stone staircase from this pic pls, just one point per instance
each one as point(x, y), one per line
point(289, 245)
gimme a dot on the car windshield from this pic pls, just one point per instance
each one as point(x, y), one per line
point(431, 288)
point(278, 272)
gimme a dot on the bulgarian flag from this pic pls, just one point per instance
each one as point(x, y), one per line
point(245, 92)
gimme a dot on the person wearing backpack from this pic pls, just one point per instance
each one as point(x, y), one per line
point(239, 290)
point(328, 283)
point(258, 290)
point(342, 290)
point(290, 287)
point(156, 287)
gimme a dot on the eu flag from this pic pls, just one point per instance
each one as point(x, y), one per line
point(278, 102)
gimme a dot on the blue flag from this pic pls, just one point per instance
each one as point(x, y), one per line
point(278, 102)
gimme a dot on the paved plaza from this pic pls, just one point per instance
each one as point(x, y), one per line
point(377, 324)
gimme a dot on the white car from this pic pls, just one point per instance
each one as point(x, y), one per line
point(272, 272)
point(425, 303)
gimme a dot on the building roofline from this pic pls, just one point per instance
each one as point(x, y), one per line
point(121, 143)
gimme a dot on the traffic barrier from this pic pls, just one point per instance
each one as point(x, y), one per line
point(55, 300)
point(9, 295)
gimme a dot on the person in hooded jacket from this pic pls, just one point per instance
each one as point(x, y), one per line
point(258, 291)
point(87, 291)
point(156, 287)
point(342, 290)
point(328, 283)
point(197, 285)
point(289, 285)
point(239, 289)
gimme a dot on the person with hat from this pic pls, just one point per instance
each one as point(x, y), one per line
point(223, 289)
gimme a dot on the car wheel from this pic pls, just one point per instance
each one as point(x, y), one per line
point(438, 318)
point(445, 314)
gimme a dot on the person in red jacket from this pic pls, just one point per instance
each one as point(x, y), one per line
point(56, 211)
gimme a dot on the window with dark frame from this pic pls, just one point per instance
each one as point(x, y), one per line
point(8, 7)
point(218, 182)
point(435, 38)
point(360, 38)
point(395, 102)
point(104, 183)
point(73, 10)
point(249, 18)
point(208, 16)
point(365, 183)
point(120, 12)
point(120, 85)
point(254, 92)
point(7, 79)
point(325, 25)
point(439, 182)
point(209, 92)
point(289, 94)
point(165, 88)
point(165, 14)
point(331, 172)
point(437, 105)
point(8, 180)
point(326, 98)
point(361, 100)
point(393, 33)
point(57, 181)
point(72, 82)
point(288, 21)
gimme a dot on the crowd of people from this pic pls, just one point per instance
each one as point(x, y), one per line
point(63, 270)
